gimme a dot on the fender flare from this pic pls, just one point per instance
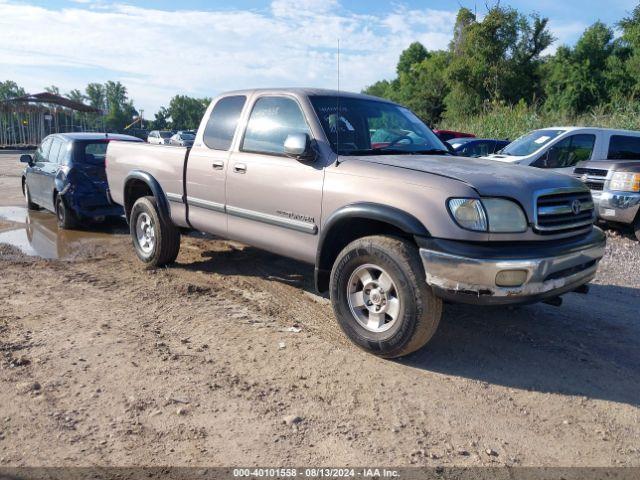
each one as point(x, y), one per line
point(363, 210)
point(156, 189)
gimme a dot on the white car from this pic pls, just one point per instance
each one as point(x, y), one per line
point(159, 137)
point(562, 148)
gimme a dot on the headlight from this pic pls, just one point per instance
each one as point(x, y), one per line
point(468, 213)
point(504, 215)
point(488, 215)
point(625, 182)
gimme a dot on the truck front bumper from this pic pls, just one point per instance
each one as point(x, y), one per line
point(509, 273)
point(617, 206)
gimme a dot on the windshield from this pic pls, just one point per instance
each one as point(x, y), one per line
point(188, 136)
point(166, 134)
point(373, 127)
point(531, 142)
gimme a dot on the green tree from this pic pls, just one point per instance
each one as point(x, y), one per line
point(10, 89)
point(52, 89)
point(587, 75)
point(76, 95)
point(95, 93)
point(495, 59)
point(186, 112)
point(411, 56)
point(161, 119)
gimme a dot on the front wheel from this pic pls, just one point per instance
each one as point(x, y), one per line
point(380, 296)
point(156, 242)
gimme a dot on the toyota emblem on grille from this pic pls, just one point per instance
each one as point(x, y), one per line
point(584, 177)
point(576, 206)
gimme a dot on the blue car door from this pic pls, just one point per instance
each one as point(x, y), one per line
point(33, 176)
point(49, 171)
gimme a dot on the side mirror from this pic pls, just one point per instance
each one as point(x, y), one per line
point(298, 146)
point(26, 159)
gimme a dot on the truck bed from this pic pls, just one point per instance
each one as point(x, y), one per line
point(165, 163)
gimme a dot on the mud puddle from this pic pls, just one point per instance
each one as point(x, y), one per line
point(37, 234)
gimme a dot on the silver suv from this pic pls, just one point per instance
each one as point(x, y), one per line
point(394, 227)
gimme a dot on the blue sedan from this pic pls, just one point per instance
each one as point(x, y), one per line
point(476, 147)
point(67, 177)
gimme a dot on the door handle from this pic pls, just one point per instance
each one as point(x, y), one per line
point(240, 168)
point(218, 165)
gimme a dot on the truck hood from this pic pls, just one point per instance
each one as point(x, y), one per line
point(487, 177)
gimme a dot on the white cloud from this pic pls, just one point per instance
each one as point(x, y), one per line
point(158, 54)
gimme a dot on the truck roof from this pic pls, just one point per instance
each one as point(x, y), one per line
point(306, 91)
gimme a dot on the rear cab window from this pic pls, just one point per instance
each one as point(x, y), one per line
point(624, 147)
point(57, 147)
point(223, 121)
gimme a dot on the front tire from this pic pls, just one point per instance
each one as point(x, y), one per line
point(380, 297)
point(156, 242)
point(66, 217)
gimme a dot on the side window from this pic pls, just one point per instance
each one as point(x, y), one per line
point(624, 148)
point(55, 151)
point(582, 148)
point(568, 152)
point(222, 123)
point(43, 150)
point(272, 120)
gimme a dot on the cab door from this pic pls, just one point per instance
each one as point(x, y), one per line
point(207, 166)
point(274, 201)
point(33, 175)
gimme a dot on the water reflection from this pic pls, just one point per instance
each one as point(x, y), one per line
point(37, 233)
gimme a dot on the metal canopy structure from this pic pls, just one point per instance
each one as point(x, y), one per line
point(26, 120)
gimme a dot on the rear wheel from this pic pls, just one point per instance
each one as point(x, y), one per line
point(380, 296)
point(66, 217)
point(156, 242)
point(27, 197)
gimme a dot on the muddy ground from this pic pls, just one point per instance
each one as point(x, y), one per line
point(229, 358)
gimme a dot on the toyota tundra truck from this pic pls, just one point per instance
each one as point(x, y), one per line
point(394, 229)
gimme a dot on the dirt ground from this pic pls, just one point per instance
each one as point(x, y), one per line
point(229, 358)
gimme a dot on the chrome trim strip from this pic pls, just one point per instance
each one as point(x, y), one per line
point(290, 223)
point(567, 226)
point(174, 197)
point(562, 209)
point(214, 206)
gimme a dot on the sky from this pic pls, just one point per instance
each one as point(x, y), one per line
point(161, 48)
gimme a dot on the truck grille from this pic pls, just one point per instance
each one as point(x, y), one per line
point(593, 178)
point(564, 211)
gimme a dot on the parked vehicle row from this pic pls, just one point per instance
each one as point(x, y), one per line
point(181, 138)
point(394, 225)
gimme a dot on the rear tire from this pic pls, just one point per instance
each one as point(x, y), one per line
point(380, 297)
point(155, 241)
point(27, 198)
point(66, 217)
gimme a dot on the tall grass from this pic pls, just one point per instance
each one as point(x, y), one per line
point(511, 121)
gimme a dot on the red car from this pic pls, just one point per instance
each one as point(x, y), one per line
point(445, 135)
